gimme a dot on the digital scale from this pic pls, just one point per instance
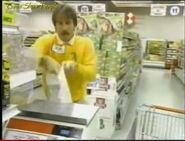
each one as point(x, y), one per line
point(47, 120)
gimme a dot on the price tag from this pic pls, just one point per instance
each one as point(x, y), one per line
point(158, 10)
point(119, 46)
point(58, 49)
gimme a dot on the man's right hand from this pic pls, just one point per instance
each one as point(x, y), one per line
point(48, 64)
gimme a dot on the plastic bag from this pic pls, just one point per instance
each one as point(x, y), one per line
point(64, 94)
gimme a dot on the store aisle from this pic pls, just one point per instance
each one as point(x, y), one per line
point(155, 86)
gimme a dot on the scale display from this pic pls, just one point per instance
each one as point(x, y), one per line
point(34, 127)
point(66, 131)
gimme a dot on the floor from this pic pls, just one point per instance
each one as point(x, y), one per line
point(155, 86)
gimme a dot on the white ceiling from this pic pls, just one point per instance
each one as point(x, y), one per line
point(144, 3)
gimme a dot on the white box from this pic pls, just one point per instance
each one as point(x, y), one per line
point(106, 127)
point(107, 114)
point(107, 103)
point(123, 108)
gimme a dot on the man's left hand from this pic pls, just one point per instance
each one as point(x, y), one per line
point(69, 67)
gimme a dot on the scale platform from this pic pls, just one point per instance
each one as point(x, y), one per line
point(63, 112)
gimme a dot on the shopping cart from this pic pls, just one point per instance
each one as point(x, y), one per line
point(158, 122)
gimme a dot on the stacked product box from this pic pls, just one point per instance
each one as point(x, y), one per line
point(5, 77)
point(121, 111)
point(181, 59)
point(109, 23)
point(87, 26)
point(104, 96)
point(107, 112)
point(113, 59)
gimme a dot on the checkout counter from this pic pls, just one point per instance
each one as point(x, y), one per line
point(46, 120)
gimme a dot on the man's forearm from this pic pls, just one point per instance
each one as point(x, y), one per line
point(88, 72)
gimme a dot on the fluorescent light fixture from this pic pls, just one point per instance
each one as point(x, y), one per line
point(8, 29)
point(73, 2)
point(131, 3)
point(31, 2)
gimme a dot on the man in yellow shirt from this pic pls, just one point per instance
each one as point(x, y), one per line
point(63, 48)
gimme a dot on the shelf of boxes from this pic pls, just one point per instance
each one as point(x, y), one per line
point(116, 60)
point(180, 75)
point(155, 53)
point(180, 57)
point(171, 56)
point(179, 71)
point(117, 71)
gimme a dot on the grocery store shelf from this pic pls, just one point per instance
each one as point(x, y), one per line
point(159, 64)
point(180, 74)
point(172, 53)
point(22, 78)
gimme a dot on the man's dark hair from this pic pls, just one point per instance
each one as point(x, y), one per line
point(67, 11)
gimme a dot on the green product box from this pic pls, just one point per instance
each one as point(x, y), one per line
point(86, 22)
point(86, 26)
point(111, 74)
point(109, 46)
point(100, 55)
point(101, 73)
point(100, 65)
point(112, 70)
point(112, 60)
point(6, 81)
point(109, 22)
point(113, 56)
point(112, 64)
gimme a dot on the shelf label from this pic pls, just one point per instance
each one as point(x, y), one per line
point(89, 7)
point(119, 46)
point(175, 10)
point(158, 10)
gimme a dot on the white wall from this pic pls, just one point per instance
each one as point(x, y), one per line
point(168, 27)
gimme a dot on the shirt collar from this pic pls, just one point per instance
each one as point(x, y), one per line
point(70, 42)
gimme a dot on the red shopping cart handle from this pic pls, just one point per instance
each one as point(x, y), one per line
point(168, 109)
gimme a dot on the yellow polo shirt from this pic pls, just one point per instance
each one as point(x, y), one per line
point(85, 57)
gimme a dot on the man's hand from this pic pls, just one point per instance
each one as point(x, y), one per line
point(48, 64)
point(69, 67)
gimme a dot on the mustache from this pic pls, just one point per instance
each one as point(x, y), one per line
point(65, 33)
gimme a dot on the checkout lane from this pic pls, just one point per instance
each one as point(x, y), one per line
point(42, 118)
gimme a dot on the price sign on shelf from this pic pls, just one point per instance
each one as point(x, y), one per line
point(90, 7)
point(85, 8)
point(158, 10)
point(175, 10)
